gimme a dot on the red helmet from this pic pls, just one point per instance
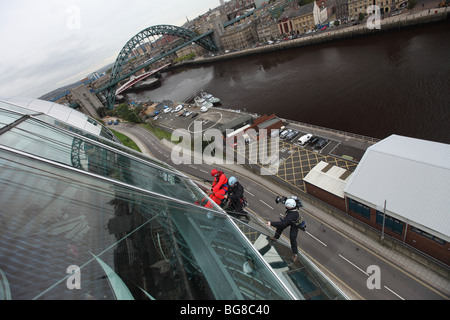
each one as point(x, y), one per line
point(214, 172)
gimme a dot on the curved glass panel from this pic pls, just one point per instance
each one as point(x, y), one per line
point(126, 243)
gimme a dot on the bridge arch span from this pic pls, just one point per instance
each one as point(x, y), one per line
point(205, 40)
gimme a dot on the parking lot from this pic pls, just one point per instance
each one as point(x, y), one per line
point(295, 161)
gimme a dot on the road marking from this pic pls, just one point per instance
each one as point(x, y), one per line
point(400, 297)
point(204, 171)
point(249, 193)
point(354, 265)
point(193, 167)
point(315, 238)
point(266, 204)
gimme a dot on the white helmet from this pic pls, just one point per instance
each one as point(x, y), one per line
point(290, 204)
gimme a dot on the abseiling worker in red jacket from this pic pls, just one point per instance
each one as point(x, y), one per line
point(219, 186)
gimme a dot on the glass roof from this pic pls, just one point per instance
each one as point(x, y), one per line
point(130, 225)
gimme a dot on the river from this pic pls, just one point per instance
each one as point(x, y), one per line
point(388, 83)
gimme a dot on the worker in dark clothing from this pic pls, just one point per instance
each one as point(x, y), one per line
point(235, 195)
point(292, 219)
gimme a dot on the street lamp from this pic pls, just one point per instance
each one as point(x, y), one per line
point(384, 219)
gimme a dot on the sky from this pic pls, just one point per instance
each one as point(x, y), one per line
point(47, 44)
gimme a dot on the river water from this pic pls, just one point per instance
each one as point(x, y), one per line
point(388, 83)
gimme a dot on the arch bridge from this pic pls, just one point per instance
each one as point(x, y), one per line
point(146, 38)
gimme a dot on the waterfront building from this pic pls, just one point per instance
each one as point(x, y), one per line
point(267, 29)
point(192, 48)
point(239, 36)
point(355, 7)
point(341, 9)
point(401, 187)
point(305, 19)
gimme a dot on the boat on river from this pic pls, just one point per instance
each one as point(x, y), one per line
point(209, 97)
point(201, 102)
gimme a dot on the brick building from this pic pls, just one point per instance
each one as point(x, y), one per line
point(408, 180)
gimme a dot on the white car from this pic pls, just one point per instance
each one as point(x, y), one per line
point(203, 109)
point(285, 133)
point(178, 108)
point(167, 110)
point(304, 139)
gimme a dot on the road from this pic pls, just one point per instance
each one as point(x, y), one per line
point(342, 257)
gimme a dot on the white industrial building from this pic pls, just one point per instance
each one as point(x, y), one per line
point(409, 180)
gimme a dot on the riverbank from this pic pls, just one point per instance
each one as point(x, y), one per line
point(389, 24)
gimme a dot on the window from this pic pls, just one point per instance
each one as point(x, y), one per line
point(427, 235)
point(359, 208)
point(390, 223)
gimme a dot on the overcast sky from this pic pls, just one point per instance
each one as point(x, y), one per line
point(46, 44)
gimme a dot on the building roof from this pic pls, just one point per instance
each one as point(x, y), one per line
point(306, 9)
point(328, 177)
point(60, 112)
point(269, 123)
point(413, 176)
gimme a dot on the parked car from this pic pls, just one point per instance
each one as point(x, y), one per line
point(194, 115)
point(313, 140)
point(285, 133)
point(303, 140)
point(291, 135)
point(178, 108)
point(322, 142)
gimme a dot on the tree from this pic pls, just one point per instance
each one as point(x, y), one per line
point(123, 112)
point(411, 4)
